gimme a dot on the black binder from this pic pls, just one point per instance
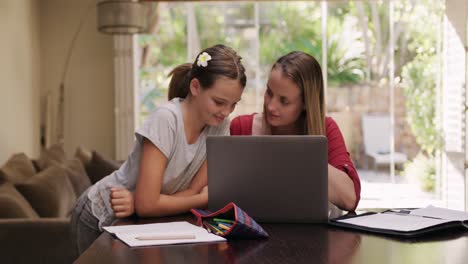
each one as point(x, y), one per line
point(450, 224)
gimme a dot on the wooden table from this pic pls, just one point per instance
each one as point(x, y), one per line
point(288, 243)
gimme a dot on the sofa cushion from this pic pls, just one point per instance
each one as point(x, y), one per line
point(50, 192)
point(13, 204)
point(84, 155)
point(51, 156)
point(36, 165)
point(77, 175)
point(17, 169)
point(100, 167)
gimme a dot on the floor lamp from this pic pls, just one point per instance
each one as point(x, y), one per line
point(60, 127)
point(113, 17)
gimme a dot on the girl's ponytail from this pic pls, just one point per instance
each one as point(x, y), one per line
point(180, 81)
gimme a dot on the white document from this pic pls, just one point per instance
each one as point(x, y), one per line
point(397, 222)
point(132, 234)
point(443, 213)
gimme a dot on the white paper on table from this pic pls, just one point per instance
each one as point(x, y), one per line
point(442, 213)
point(128, 233)
point(397, 222)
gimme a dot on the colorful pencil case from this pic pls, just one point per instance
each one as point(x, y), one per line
point(230, 222)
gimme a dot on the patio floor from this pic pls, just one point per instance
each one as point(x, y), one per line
point(377, 191)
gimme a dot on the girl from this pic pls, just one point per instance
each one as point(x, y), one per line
point(294, 105)
point(166, 170)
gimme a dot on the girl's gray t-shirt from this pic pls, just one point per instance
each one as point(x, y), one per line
point(165, 129)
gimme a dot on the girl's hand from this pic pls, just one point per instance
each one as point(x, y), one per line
point(122, 202)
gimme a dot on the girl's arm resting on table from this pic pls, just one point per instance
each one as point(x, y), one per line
point(148, 198)
point(340, 189)
point(122, 200)
point(171, 205)
point(199, 181)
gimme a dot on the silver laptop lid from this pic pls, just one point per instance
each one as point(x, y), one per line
point(272, 178)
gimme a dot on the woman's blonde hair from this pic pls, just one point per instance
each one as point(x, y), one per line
point(224, 63)
point(305, 72)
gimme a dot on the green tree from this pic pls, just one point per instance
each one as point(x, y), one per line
point(345, 61)
point(419, 84)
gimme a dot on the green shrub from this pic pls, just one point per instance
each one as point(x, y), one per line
point(422, 170)
point(420, 91)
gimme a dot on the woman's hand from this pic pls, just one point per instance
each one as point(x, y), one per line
point(341, 189)
point(204, 190)
point(122, 202)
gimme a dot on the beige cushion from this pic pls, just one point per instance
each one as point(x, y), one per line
point(77, 175)
point(17, 169)
point(51, 156)
point(50, 192)
point(13, 204)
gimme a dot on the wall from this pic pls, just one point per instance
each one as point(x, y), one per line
point(34, 42)
point(89, 86)
point(19, 78)
point(457, 189)
point(455, 82)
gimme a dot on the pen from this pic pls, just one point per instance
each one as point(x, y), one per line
point(223, 220)
point(400, 211)
point(207, 228)
point(166, 237)
point(408, 214)
point(224, 226)
point(217, 231)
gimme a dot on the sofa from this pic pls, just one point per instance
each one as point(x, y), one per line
point(36, 200)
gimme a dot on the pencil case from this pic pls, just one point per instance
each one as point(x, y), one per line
point(230, 222)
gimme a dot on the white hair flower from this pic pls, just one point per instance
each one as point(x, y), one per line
point(203, 59)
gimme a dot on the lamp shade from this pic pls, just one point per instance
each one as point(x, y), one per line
point(121, 17)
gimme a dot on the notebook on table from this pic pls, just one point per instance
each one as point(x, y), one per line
point(406, 223)
point(162, 234)
point(275, 179)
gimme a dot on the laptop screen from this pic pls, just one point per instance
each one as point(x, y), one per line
point(272, 178)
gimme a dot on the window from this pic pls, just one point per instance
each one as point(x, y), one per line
point(383, 63)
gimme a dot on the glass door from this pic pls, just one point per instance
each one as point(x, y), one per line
point(384, 64)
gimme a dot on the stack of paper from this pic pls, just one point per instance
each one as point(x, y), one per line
point(162, 234)
point(442, 213)
point(409, 220)
point(395, 222)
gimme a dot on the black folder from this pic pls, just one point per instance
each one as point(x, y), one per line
point(383, 229)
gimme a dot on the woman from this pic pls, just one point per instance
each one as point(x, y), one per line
point(294, 105)
point(166, 170)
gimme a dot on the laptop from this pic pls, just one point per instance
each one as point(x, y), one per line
point(274, 179)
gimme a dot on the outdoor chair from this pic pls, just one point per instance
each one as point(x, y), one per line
point(376, 136)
